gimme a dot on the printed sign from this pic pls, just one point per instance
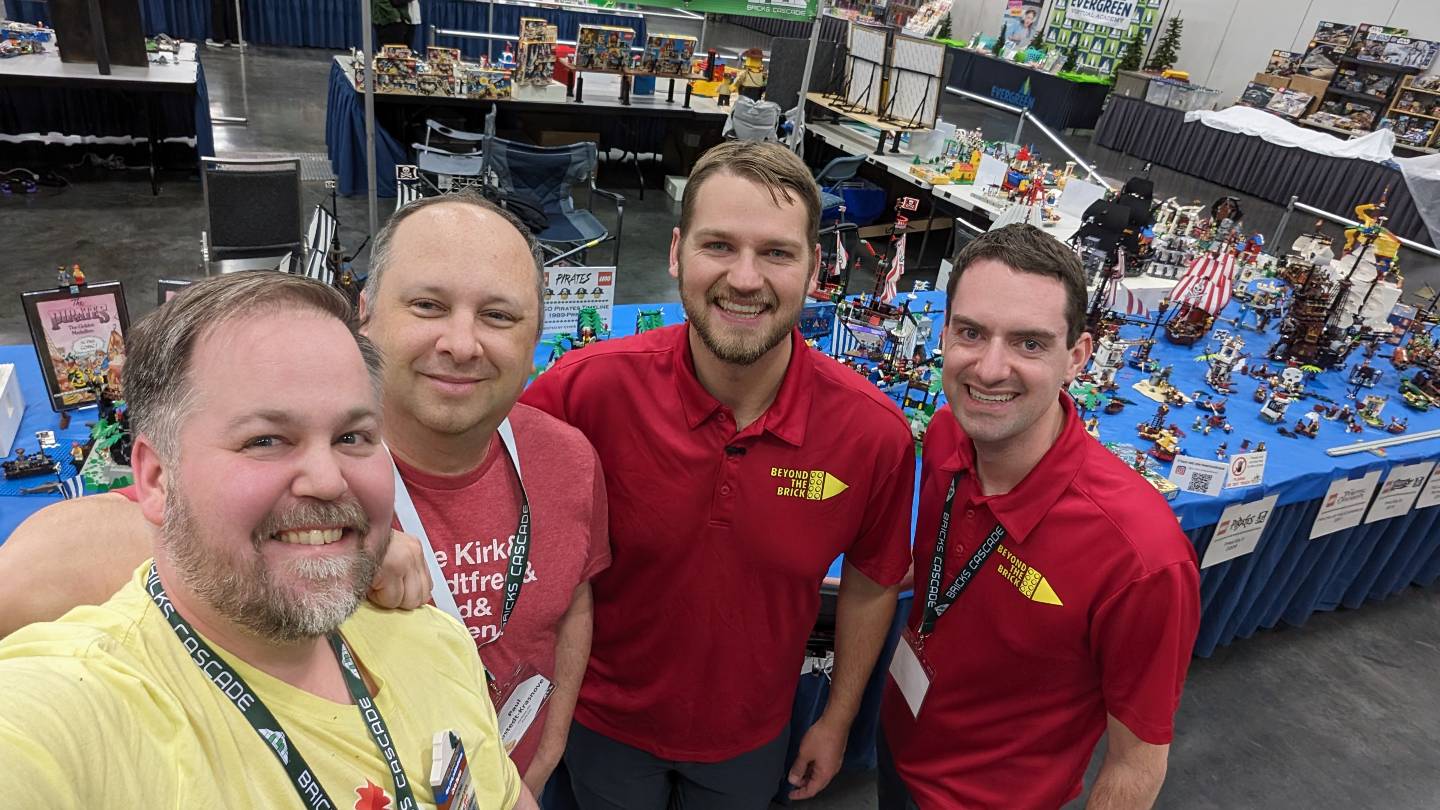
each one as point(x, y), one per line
point(1399, 491)
point(1199, 475)
point(1109, 13)
point(1430, 495)
point(576, 294)
point(1246, 470)
point(1344, 504)
point(1239, 530)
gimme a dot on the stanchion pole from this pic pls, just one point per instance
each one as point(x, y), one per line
point(367, 35)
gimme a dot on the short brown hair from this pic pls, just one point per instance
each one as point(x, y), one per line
point(771, 165)
point(160, 346)
point(380, 251)
point(1027, 249)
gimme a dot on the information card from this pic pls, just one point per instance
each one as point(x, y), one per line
point(1239, 530)
point(1399, 491)
point(1344, 504)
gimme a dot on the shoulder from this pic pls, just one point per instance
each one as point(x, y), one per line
point(439, 637)
point(840, 391)
point(1127, 509)
point(536, 428)
point(620, 352)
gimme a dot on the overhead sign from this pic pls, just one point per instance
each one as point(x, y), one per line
point(1239, 530)
point(1109, 13)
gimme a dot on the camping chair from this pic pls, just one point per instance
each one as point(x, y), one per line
point(457, 164)
point(543, 177)
point(829, 180)
point(253, 213)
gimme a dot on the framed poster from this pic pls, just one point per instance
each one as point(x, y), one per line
point(167, 288)
point(79, 338)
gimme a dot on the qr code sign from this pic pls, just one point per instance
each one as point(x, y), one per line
point(1199, 482)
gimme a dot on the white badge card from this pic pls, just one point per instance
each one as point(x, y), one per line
point(1239, 530)
point(1344, 504)
point(1399, 491)
point(1430, 495)
point(520, 707)
point(1246, 470)
point(1199, 475)
point(909, 673)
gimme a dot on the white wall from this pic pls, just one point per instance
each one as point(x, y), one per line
point(1226, 42)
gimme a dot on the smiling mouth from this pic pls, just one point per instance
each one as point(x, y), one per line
point(741, 310)
point(990, 398)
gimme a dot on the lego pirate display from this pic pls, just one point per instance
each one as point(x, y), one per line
point(834, 277)
point(667, 55)
point(1276, 404)
point(1200, 295)
point(1309, 330)
point(603, 48)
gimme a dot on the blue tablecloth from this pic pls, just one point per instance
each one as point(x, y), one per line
point(335, 24)
point(345, 140)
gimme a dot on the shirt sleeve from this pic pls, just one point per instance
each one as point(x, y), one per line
point(881, 550)
point(598, 557)
point(1143, 637)
point(549, 390)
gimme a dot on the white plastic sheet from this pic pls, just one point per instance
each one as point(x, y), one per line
point(1377, 147)
point(1422, 175)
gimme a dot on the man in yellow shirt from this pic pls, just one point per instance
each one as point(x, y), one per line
point(240, 668)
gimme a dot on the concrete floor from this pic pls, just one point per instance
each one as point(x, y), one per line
point(1343, 713)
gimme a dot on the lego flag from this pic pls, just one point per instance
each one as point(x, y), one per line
point(842, 259)
point(895, 271)
point(318, 238)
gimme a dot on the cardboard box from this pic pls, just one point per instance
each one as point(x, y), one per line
point(1271, 80)
point(1132, 83)
point(1309, 85)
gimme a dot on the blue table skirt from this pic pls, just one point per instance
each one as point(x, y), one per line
point(98, 112)
point(345, 140)
point(335, 24)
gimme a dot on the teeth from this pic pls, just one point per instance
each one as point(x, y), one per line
point(991, 398)
point(742, 309)
point(311, 537)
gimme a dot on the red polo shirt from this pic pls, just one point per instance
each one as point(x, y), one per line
point(720, 540)
point(1089, 606)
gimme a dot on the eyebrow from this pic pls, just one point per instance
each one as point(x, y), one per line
point(711, 233)
point(272, 416)
point(441, 292)
point(1027, 334)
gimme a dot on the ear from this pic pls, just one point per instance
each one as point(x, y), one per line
point(675, 252)
point(1079, 356)
point(363, 314)
point(151, 484)
point(814, 272)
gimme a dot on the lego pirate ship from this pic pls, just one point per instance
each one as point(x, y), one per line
point(1309, 331)
point(1200, 296)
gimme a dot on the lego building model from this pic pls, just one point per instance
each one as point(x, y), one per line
point(603, 48)
point(441, 73)
point(535, 64)
point(667, 55)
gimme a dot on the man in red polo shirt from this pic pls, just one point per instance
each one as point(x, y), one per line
point(1056, 599)
point(739, 463)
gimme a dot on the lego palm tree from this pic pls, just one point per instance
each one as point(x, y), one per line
point(1167, 50)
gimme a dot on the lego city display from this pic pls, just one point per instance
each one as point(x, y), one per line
point(667, 55)
point(78, 332)
point(603, 48)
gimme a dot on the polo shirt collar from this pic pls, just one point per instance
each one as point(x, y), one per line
point(786, 418)
point(1023, 507)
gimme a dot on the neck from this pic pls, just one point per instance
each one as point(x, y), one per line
point(435, 453)
point(746, 390)
point(307, 663)
point(1001, 466)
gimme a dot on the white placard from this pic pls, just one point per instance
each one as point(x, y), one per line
point(1430, 495)
point(1201, 476)
point(1399, 491)
point(990, 172)
point(1078, 195)
point(1344, 504)
point(1109, 13)
point(917, 68)
point(942, 279)
point(867, 61)
point(1239, 530)
point(570, 289)
point(1246, 469)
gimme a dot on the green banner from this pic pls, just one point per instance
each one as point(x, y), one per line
point(778, 9)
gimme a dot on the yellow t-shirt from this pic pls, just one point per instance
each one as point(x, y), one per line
point(104, 709)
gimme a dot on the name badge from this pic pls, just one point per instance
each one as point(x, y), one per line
point(518, 710)
point(910, 670)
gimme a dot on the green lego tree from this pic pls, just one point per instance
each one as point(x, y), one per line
point(944, 32)
point(1072, 56)
point(1134, 50)
point(1167, 50)
point(999, 45)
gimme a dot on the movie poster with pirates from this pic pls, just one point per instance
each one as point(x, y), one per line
point(79, 337)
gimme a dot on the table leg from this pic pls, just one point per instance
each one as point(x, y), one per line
point(895, 142)
point(880, 145)
point(624, 90)
point(579, 88)
point(670, 96)
point(152, 137)
point(687, 95)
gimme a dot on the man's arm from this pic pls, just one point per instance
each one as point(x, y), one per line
point(862, 619)
point(77, 552)
point(572, 653)
point(1131, 775)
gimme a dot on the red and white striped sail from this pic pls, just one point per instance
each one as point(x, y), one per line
point(1207, 283)
point(1122, 299)
point(894, 272)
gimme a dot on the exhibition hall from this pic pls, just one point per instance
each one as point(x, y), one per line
point(989, 313)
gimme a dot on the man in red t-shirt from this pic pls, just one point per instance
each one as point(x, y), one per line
point(453, 304)
point(1056, 599)
point(739, 464)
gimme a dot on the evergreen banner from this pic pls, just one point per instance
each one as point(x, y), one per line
point(1109, 13)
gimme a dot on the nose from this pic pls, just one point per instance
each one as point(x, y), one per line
point(458, 338)
point(745, 276)
point(992, 367)
point(320, 475)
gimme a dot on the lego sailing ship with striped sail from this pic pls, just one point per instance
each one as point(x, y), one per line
point(1200, 295)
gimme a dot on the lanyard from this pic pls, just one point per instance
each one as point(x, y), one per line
point(936, 603)
point(233, 687)
point(440, 593)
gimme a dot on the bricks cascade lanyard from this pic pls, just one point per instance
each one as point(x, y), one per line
point(936, 603)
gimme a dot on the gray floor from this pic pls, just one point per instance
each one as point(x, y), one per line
point(1343, 713)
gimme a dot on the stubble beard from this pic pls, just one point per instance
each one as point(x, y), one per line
point(734, 349)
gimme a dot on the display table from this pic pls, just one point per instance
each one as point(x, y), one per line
point(646, 124)
point(45, 100)
point(1058, 103)
point(1251, 165)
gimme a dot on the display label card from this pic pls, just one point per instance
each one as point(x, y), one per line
point(942, 280)
point(1078, 195)
point(1399, 491)
point(1430, 495)
point(1246, 470)
point(571, 290)
point(1344, 504)
point(1199, 475)
point(990, 172)
point(1239, 530)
